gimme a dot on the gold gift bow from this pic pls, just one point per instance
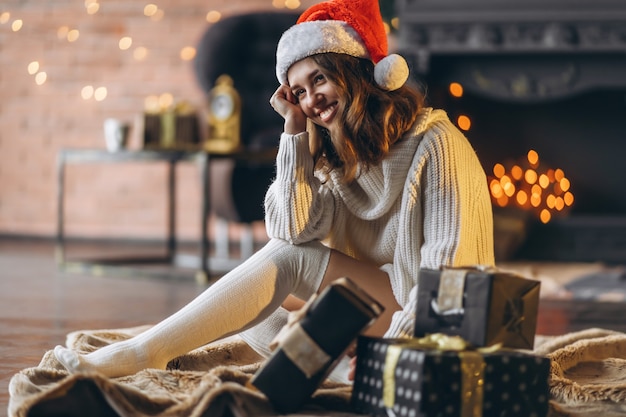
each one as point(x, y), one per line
point(298, 346)
point(472, 369)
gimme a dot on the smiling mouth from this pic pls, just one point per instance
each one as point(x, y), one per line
point(327, 113)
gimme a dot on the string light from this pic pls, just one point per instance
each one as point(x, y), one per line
point(292, 4)
point(187, 53)
point(87, 92)
point(456, 90)
point(100, 93)
point(213, 16)
point(41, 77)
point(524, 185)
point(464, 122)
point(92, 6)
point(150, 10)
point(527, 186)
point(33, 67)
point(125, 43)
point(289, 4)
point(17, 25)
point(4, 17)
point(153, 12)
point(73, 35)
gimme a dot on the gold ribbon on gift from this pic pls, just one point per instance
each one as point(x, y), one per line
point(298, 346)
point(472, 368)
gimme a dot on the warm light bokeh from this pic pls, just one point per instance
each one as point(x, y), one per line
point(187, 53)
point(464, 122)
point(527, 186)
point(17, 25)
point(213, 16)
point(456, 90)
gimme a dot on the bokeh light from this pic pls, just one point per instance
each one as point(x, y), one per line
point(125, 43)
point(527, 185)
point(17, 25)
point(213, 16)
point(100, 93)
point(187, 53)
point(456, 90)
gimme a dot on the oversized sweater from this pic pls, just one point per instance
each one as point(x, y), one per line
point(425, 205)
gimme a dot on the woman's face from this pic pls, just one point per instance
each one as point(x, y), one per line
point(317, 95)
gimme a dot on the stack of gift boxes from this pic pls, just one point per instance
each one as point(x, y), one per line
point(470, 355)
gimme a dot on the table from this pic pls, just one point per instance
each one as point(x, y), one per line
point(171, 157)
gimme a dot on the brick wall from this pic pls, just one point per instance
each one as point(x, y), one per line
point(125, 200)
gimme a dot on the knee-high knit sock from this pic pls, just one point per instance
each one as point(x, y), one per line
point(240, 299)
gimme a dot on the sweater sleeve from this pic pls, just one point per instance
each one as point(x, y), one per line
point(298, 207)
point(450, 218)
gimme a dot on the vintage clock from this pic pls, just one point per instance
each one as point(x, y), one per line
point(224, 117)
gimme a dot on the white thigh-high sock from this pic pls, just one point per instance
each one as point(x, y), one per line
point(240, 299)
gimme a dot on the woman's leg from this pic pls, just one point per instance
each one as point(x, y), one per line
point(371, 279)
point(367, 276)
point(240, 299)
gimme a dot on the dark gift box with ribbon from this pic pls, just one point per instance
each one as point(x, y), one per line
point(175, 127)
point(484, 307)
point(440, 376)
point(313, 341)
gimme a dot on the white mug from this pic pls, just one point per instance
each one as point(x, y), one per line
point(115, 134)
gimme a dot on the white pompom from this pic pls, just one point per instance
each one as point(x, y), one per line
point(391, 72)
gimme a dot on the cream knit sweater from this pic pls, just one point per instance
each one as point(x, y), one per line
point(425, 205)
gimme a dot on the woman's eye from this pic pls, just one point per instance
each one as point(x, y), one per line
point(319, 77)
point(298, 93)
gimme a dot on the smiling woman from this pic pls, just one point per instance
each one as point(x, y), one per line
point(391, 186)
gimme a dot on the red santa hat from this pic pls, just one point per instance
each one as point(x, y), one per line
point(352, 27)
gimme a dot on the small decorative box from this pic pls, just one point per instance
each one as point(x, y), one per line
point(484, 307)
point(311, 345)
point(422, 378)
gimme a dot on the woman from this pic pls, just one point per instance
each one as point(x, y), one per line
point(376, 187)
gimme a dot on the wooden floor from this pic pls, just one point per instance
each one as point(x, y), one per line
point(39, 305)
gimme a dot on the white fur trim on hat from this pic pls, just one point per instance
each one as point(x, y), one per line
point(316, 37)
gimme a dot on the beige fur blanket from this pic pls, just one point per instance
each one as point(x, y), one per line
point(588, 378)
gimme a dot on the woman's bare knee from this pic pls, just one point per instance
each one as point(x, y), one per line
point(368, 277)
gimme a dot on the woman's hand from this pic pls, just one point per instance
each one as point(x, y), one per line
point(286, 104)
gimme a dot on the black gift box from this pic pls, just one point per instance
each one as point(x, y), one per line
point(394, 378)
point(311, 347)
point(483, 307)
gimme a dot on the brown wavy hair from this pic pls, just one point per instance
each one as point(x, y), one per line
point(372, 120)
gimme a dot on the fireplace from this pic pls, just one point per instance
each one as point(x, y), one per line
point(547, 76)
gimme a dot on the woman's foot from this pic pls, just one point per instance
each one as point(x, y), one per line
point(113, 361)
point(69, 359)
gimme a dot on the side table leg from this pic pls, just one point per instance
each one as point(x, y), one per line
point(60, 243)
point(171, 233)
point(202, 276)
